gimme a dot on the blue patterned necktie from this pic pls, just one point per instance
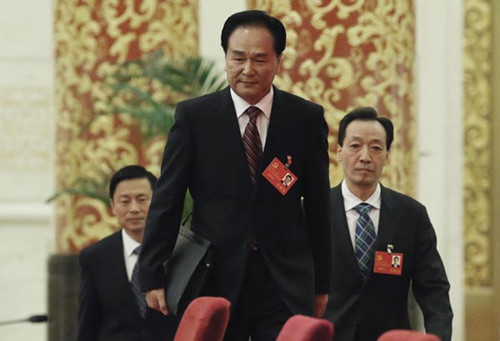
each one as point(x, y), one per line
point(134, 282)
point(252, 143)
point(365, 238)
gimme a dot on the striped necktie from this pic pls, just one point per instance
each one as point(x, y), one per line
point(252, 143)
point(364, 239)
point(134, 282)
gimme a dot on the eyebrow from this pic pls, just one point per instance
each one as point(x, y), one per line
point(355, 137)
point(257, 55)
point(132, 195)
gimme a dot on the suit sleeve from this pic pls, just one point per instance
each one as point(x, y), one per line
point(430, 283)
point(316, 201)
point(165, 211)
point(90, 310)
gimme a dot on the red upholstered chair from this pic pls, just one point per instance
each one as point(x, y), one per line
point(305, 328)
point(407, 335)
point(205, 319)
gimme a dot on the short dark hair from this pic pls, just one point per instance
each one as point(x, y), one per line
point(255, 18)
point(130, 172)
point(366, 114)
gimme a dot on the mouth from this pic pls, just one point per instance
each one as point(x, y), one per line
point(248, 83)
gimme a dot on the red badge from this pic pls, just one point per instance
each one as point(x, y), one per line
point(388, 263)
point(280, 176)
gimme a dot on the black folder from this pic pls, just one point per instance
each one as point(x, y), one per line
point(186, 270)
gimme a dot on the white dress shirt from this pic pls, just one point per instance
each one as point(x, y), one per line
point(129, 245)
point(351, 201)
point(265, 105)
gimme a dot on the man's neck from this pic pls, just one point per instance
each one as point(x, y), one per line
point(135, 235)
point(362, 192)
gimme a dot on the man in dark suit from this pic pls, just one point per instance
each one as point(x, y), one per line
point(109, 309)
point(272, 259)
point(368, 295)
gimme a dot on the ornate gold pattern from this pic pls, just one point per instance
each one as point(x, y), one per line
point(478, 33)
point(92, 36)
point(345, 54)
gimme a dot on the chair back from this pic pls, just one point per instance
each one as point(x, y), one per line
point(305, 328)
point(205, 319)
point(407, 335)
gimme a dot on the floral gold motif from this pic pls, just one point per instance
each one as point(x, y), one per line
point(478, 40)
point(92, 37)
point(345, 54)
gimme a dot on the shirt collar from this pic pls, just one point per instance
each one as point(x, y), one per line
point(265, 104)
point(129, 244)
point(351, 201)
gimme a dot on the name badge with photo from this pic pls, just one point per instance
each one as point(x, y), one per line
point(279, 176)
point(388, 263)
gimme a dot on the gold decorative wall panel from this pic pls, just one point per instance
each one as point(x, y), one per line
point(345, 54)
point(92, 37)
point(477, 60)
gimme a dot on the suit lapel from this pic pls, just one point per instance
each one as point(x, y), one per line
point(277, 120)
point(279, 132)
point(279, 128)
point(117, 262)
point(389, 220)
point(341, 231)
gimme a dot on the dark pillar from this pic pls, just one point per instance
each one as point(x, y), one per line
point(64, 286)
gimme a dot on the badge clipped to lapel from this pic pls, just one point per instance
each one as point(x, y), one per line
point(388, 263)
point(279, 175)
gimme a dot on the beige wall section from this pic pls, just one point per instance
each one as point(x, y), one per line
point(439, 114)
point(26, 163)
point(26, 85)
point(212, 15)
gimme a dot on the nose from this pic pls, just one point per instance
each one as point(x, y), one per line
point(248, 68)
point(134, 206)
point(364, 154)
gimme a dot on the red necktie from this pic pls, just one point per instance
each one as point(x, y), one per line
point(252, 143)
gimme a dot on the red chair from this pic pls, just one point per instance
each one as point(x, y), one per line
point(205, 319)
point(407, 335)
point(305, 328)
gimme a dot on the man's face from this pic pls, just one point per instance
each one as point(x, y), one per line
point(130, 204)
point(251, 62)
point(363, 155)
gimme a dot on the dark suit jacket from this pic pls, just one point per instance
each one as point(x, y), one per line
point(205, 153)
point(363, 311)
point(108, 310)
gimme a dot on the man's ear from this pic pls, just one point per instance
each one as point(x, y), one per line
point(112, 206)
point(339, 150)
point(280, 58)
point(386, 161)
